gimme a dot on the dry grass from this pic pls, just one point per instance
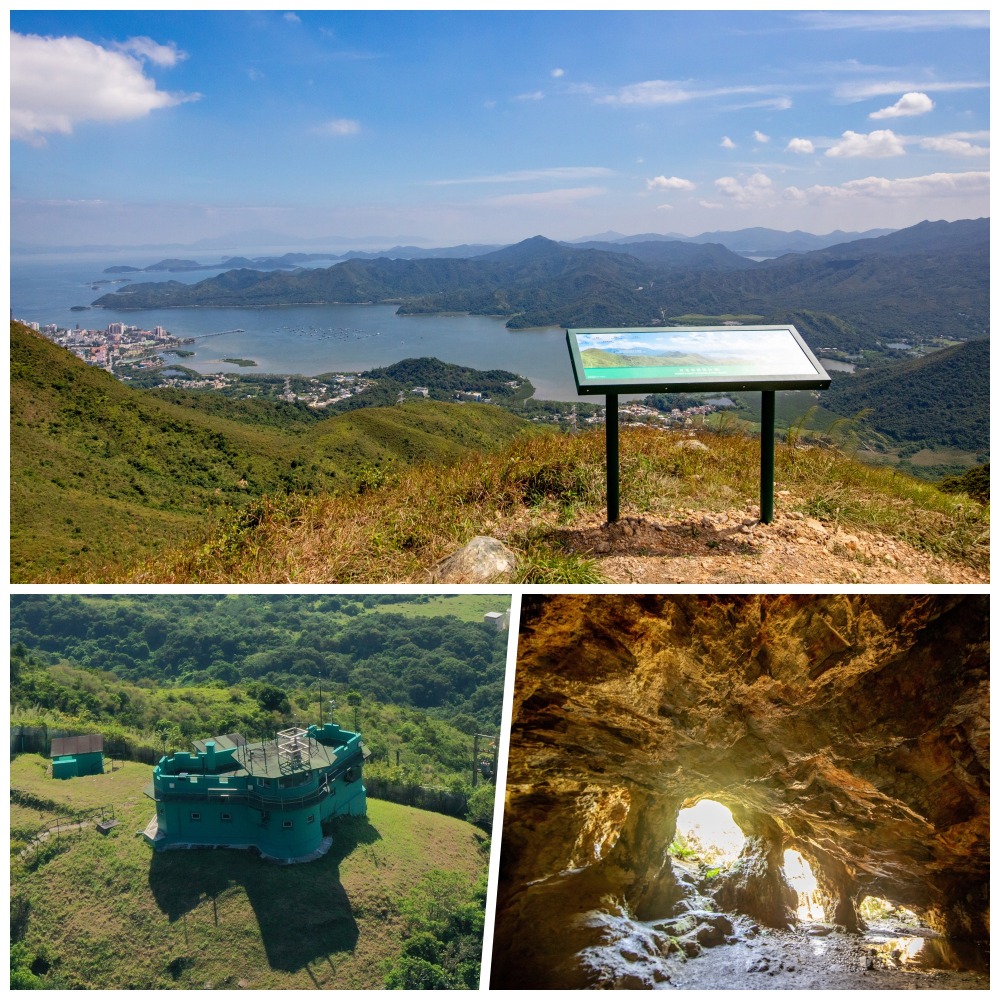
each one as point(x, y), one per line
point(397, 531)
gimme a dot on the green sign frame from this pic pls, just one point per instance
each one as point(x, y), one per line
point(642, 360)
point(692, 359)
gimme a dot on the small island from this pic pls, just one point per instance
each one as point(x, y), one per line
point(242, 362)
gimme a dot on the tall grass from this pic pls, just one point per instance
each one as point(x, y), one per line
point(395, 532)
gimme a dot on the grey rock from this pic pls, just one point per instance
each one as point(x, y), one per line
point(482, 560)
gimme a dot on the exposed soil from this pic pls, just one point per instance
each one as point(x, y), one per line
point(734, 547)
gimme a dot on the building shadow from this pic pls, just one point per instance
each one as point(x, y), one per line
point(303, 911)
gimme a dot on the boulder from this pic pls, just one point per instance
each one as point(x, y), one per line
point(482, 560)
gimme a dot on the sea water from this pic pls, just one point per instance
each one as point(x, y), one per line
point(303, 340)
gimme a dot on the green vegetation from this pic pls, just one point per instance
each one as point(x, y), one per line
point(939, 400)
point(242, 362)
point(530, 493)
point(89, 456)
point(975, 482)
point(105, 912)
point(216, 663)
point(923, 282)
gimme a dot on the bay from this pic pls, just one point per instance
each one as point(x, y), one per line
point(303, 340)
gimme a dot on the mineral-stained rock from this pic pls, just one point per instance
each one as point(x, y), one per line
point(852, 728)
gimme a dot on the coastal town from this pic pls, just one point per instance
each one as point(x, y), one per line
point(137, 356)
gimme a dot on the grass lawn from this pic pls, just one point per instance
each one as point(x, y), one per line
point(109, 913)
point(467, 607)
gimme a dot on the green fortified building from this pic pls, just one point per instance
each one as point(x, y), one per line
point(271, 796)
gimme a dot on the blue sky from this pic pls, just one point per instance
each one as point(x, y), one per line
point(441, 128)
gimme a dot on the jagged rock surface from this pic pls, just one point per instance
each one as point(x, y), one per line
point(853, 728)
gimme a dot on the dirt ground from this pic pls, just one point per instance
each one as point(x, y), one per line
point(882, 959)
point(734, 547)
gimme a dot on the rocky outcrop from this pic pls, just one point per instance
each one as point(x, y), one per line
point(853, 728)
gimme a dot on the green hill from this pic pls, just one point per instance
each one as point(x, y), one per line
point(105, 912)
point(101, 472)
point(942, 399)
point(926, 281)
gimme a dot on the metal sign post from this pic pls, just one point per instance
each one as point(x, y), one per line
point(642, 360)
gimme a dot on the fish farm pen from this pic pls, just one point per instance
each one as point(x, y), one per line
point(271, 796)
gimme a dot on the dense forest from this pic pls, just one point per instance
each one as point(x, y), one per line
point(266, 645)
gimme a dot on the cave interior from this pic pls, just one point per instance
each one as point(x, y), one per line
point(846, 735)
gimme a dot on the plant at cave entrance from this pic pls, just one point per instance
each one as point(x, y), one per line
point(707, 833)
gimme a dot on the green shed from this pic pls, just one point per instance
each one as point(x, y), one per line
point(73, 756)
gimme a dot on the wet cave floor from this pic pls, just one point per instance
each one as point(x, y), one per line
point(811, 956)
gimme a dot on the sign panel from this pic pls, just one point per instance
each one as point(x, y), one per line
point(676, 359)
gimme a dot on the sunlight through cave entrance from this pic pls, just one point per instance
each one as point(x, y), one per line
point(800, 877)
point(708, 834)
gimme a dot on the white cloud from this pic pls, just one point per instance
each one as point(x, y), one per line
point(535, 95)
point(338, 127)
point(800, 146)
point(760, 137)
point(727, 143)
point(913, 103)
point(882, 142)
point(145, 48)
point(662, 183)
point(58, 83)
point(556, 73)
point(958, 147)
point(940, 185)
point(292, 17)
point(758, 189)
point(666, 208)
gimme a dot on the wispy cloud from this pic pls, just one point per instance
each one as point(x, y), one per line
point(145, 48)
point(530, 176)
point(883, 88)
point(903, 21)
point(337, 127)
point(956, 147)
point(913, 103)
point(760, 137)
point(535, 95)
point(59, 83)
point(651, 93)
point(540, 199)
point(727, 143)
point(939, 185)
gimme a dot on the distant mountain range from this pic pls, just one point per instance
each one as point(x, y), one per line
point(929, 280)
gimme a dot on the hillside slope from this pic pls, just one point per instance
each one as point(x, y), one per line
point(108, 913)
point(689, 515)
point(940, 399)
point(100, 470)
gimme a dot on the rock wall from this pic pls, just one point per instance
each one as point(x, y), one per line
point(853, 728)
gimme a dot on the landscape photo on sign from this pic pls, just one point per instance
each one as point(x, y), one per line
point(680, 353)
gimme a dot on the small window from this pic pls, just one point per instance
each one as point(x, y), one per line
point(226, 818)
point(311, 819)
point(287, 824)
point(195, 815)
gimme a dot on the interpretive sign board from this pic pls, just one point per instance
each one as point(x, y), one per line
point(694, 359)
point(708, 358)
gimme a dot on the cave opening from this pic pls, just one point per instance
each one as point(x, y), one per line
point(799, 875)
point(707, 834)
